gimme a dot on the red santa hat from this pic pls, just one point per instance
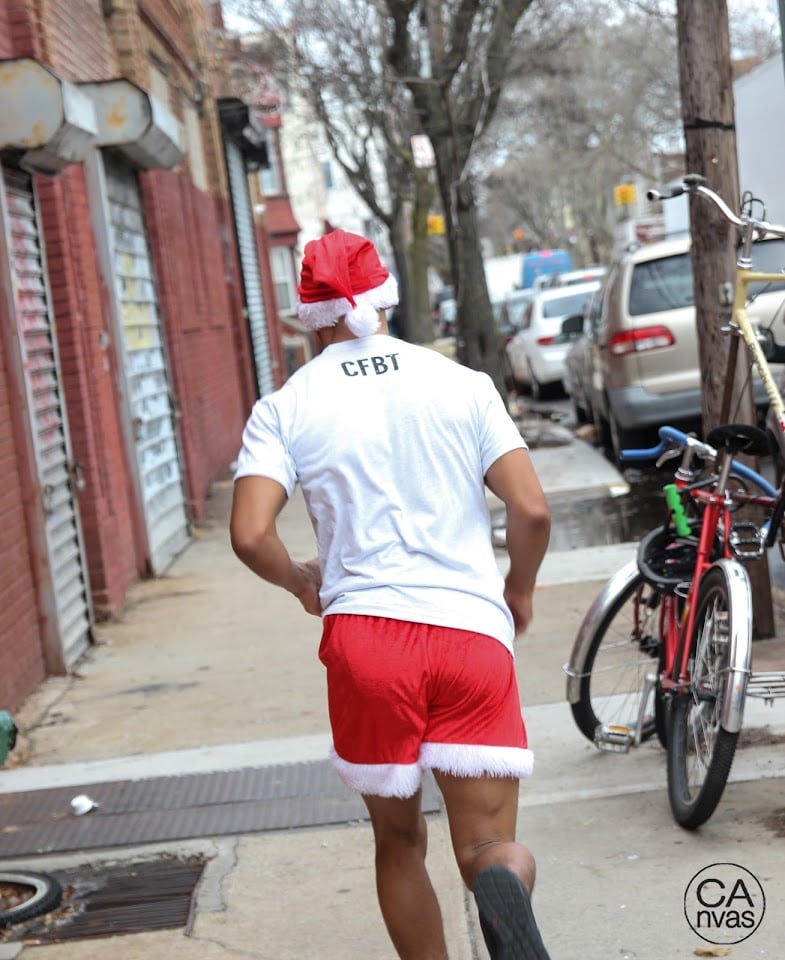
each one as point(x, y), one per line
point(342, 276)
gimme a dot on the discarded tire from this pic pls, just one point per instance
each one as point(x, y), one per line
point(40, 892)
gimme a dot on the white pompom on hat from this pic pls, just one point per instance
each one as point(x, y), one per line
point(342, 276)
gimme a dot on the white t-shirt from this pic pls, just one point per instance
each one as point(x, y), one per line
point(390, 443)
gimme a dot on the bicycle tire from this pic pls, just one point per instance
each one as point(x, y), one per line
point(626, 645)
point(45, 896)
point(700, 751)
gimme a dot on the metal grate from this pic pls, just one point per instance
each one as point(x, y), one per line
point(174, 808)
point(102, 900)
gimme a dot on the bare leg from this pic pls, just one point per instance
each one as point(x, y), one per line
point(406, 897)
point(495, 867)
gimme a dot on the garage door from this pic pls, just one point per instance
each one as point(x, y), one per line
point(146, 371)
point(47, 414)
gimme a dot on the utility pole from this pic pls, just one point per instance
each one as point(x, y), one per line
point(710, 134)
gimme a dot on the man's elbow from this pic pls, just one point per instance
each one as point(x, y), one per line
point(534, 514)
point(246, 543)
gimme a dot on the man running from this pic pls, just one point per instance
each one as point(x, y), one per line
point(393, 446)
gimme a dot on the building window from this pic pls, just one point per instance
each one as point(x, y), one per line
point(270, 177)
point(283, 278)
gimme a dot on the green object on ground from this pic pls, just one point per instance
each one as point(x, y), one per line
point(7, 735)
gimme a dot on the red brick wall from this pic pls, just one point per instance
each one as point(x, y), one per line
point(75, 39)
point(197, 271)
point(198, 317)
point(90, 374)
point(21, 655)
point(19, 33)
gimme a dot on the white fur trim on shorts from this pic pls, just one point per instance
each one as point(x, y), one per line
point(476, 760)
point(458, 760)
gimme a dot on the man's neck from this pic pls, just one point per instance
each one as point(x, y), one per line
point(341, 332)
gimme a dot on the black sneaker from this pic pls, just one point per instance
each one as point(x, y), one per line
point(506, 917)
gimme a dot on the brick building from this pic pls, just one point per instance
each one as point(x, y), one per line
point(138, 319)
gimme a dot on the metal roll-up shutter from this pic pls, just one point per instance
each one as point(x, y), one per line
point(47, 414)
point(146, 371)
point(249, 265)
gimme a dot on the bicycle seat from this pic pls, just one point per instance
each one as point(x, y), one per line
point(739, 438)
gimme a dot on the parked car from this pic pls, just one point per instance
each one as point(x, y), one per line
point(577, 363)
point(643, 347)
point(512, 309)
point(536, 353)
point(571, 277)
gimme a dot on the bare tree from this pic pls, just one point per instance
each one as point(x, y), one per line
point(453, 57)
point(332, 55)
point(565, 136)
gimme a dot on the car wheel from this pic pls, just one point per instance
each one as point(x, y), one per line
point(622, 438)
point(604, 433)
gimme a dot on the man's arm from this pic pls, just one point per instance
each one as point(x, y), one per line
point(512, 479)
point(256, 504)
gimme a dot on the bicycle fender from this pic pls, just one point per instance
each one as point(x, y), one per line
point(739, 644)
point(599, 607)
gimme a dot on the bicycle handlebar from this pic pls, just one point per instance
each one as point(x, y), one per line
point(693, 183)
point(669, 435)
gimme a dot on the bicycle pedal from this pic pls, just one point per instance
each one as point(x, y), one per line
point(747, 541)
point(614, 737)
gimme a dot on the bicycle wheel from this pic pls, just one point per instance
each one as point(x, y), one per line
point(700, 750)
point(624, 649)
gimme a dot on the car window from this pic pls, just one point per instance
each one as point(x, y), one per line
point(564, 306)
point(663, 284)
point(768, 256)
point(526, 319)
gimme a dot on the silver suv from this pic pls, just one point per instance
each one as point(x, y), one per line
point(642, 349)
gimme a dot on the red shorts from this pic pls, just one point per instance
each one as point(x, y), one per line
point(405, 696)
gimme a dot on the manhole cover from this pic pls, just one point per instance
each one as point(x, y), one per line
point(112, 899)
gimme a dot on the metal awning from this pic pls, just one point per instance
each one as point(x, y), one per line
point(45, 122)
point(242, 126)
point(138, 125)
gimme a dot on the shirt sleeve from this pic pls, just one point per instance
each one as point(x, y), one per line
point(264, 452)
point(497, 430)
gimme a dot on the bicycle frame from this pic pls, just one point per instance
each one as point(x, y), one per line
point(744, 277)
point(678, 626)
point(676, 613)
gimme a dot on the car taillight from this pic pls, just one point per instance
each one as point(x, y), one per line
point(545, 341)
point(637, 341)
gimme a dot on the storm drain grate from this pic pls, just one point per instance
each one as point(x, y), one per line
point(102, 900)
point(132, 812)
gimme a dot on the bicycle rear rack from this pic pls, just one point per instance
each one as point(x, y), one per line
point(767, 686)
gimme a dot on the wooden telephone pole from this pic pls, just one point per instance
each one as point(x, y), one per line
point(710, 133)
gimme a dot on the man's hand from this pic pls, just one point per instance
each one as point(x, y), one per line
point(521, 608)
point(311, 576)
point(256, 504)
point(513, 480)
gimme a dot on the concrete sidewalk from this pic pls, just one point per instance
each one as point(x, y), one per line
point(212, 670)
